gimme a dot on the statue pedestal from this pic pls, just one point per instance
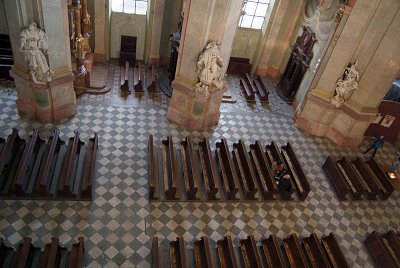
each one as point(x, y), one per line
point(193, 111)
point(48, 102)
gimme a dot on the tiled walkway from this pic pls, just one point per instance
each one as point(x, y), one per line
point(119, 223)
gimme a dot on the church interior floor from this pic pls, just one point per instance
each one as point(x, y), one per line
point(120, 221)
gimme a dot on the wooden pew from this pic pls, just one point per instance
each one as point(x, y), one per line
point(21, 179)
point(379, 252)
point(247, 85)
point(316, 255)
point(245, 170)
point(189, 167)
point(263, 170)
point(44, 178)
point(177, 256)
point(153, 171)
point(381, 177)
point(90, 168)
point(151, 78)
point(392, 242)
point(202, 253)
point(155, 254)
point(272, 153)
point(49, 255)
point(2, 141)
point(273, 255)
point(209, 170)
point(138, 78)
point(333, 251)
point(77, 254)
point(261, 88)
point(368, 178)
point(125, 77)
point(9, 159)
point(357, 185)
point(27, 255)
point(294, 252)
point(250, 252)
point(6, 254)
point(169, 168)
point(228, 173)
point(226, 253)
point(67, 179)
point(300, 180)
point(336, 178)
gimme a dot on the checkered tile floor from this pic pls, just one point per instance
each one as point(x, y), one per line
point(119, 223)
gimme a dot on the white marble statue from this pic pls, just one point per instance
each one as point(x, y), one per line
point(34, 46)
point(208, 69)
point(346, 85)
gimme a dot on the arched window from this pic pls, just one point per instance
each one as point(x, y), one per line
point(130, 6)
point(253, 14)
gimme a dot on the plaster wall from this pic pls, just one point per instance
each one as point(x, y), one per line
point(245, 43)
point(3, 20)
point(127, 24)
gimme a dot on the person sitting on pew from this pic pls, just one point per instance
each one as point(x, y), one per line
point(277, 169)
point(283, 182)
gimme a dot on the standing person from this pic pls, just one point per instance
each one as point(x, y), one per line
point(376, 144)
point(396, 163)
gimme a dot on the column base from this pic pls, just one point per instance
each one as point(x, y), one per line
point(192, 111)
point(48, 102)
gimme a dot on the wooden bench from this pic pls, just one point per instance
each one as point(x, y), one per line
point(245, 170)
point(368, 178)
point(77, 254)
point(392, 242)
point(261, 89)
point(336, 178)
point(263, 171)
point(300, 180)
point(6, 254)
point(125, 77)
point(294, 252)
point(247, 85)
point(379, 252)
point(356, 184)
point(151, 78)
point(9, 159)
point(202, 253)
point(155, 254)
point(272, 153)
point(226, 254)
point(316, 255)
point(228, 173)
point(90, 168)
point(153, 171)
point(169, 169)
point(22, 178)
point(209, 171)
point(273, 255)
point(250, 253)
point(239, 66)
point(50, 252)
point(6, 57)
point(138, 78)
point(189, 167)
point(333, 251)
point(26, 254)
point(381, 177)
point(177, 256)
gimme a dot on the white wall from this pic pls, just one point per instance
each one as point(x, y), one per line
point(131, 25)
point(3, 20)
point(245, 43)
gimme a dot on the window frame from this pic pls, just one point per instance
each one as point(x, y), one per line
point(254, 15)
point(131, 3)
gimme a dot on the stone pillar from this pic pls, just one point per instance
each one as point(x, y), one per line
point(157, 14)
point(99, 38)
point(204, 21)
point(55, 99)
point(370, 36)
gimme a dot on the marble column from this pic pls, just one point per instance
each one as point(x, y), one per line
point(370, 36)
point(204, 21)
point(157, 14)
point(99, 37)
point(55, 99)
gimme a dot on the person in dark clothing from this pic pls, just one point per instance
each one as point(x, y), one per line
point(283, 182)
point(376, 144)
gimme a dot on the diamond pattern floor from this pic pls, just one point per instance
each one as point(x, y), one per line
point(119, 223)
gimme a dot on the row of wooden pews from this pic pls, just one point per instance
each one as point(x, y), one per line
point(196, 173)
point(53, 255)
point(357, 179)
point(270, 252)
point(251, 87)
point(34, 169)
point(384, 249)
point(140, 74)
point(6, 57)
